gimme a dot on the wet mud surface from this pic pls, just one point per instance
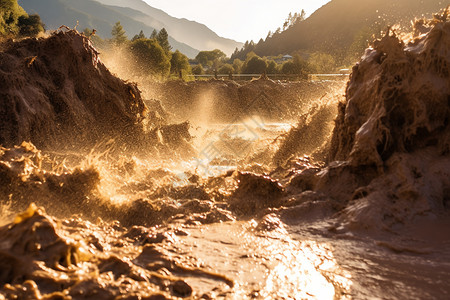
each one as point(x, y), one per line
point(349, 202)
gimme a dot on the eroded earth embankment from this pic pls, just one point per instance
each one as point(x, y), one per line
point(56, 92)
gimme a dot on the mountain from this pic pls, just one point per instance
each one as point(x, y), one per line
point(93, 14)
point(189, 32)
point(341, 26)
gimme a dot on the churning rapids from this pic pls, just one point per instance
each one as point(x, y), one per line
point(271, 191)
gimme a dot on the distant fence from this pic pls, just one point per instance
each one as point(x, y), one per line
point(282, 77)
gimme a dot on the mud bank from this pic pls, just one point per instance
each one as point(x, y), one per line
point(388, 163)
point(42, 258)
point(56, 92)
point(228, 101)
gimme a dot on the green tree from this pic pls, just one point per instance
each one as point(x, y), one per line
point(154, 34)
point(30, 25)
point(163, 39)
point(179, 63)
point(10, 11)
point(272, 67)
point(226, 69)
point(322, 62)
point(141, 35)
point(210, 58)
point(254, 65)
point(296, 66)
point(151, 57)
point(237, 66)
point(119, 36)
point(198, 70)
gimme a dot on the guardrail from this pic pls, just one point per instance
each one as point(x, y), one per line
point(286, 77)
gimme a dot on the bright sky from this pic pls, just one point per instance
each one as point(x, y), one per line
point(240, 20)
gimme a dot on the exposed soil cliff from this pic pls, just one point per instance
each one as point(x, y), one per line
point(57, 93)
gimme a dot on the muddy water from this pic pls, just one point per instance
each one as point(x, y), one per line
point(205, 248)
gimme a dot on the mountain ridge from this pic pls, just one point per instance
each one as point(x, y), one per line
point(93, 14)
point(181, 29)
point(340, 24)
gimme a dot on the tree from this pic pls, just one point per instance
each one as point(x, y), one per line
point(300, 17)
point(30, 25)
point(10, 11)
point(198, 70)
point(272, 67)
point(163, 39)
point(119, 36)
point(141, 35)
point(226, 69)
point(296, 66)
point(322, 62)
point(179, 62)
point(210, 58)
point(255, 65)
point(151, 57)
point(237, 66)
point(154, 34)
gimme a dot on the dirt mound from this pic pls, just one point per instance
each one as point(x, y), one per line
point(227, 101)
point(44, 258)
point(391, 142)
point(57, 93)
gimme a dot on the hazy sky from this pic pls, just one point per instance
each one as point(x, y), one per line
point(240, 20)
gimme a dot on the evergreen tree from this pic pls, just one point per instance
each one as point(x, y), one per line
point(154, 34)
point(141, 35)
point(163, 40)
point(119, 36)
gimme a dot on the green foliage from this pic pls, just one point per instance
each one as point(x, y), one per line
point(322, 62)
point(141, 35)
point(210, 58)
point(15, 21)
point(30, 25)
point(163, 39)
point(237, 65)
point(10, 11)
point(179, 63)
point(151, 57)
point(198, 70)
point(296, 66)
point(154, 34)
point(226, 69)
point(254, 65)
point(272, 67)
point(119, 36)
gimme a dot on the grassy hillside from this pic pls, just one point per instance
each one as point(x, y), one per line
point(343, 27)
point(93, 14)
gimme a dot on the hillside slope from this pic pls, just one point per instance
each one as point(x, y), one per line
point(92, 14)
point(192, 33)
point(338, 25)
